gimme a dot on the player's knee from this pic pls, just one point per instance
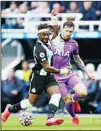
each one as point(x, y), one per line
point(81, 90)
point(68, 98)
point(55, 98)
point(31, 102)
point(83, 93)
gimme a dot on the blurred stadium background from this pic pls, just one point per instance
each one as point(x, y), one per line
point(19, 20)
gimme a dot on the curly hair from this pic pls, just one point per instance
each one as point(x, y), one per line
point(44, 26)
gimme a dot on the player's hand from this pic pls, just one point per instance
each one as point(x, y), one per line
point(54, 13)
point(64, 71)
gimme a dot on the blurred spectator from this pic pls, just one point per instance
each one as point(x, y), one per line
point(91, 90)
point(88, 13)
point(26, 71)
point(24, 74)
point(97, 96)
point(10, 22)
point(12, 9)
point(19, 23)
point(57, 7)
point(99, 28)
point(97, 6)
point(43, 7)
point(73, 8)
point(90, 67)
point(33, 5)
point(23, 8)
point(99, 72)
point(12, 88)
point(36, 7)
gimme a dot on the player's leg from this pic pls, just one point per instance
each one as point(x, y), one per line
point(35, 90)
point(80, 91)
point(69, 106)
point(53, 89)
point(26, 103)
point(78, 87)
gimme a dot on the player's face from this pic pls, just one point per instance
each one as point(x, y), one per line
point(67, 32)
point(44, 37)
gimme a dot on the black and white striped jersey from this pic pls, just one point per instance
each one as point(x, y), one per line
point(42, 53)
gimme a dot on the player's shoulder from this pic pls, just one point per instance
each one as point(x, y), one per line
point(38, 47)
point(73, 42)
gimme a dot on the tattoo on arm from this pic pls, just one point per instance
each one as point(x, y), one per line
point(79, 62)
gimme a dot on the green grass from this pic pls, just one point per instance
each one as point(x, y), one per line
point(86, 123)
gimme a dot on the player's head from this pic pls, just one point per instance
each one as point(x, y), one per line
point(43, 32)
point(68, 28)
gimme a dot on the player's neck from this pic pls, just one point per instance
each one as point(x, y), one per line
point(42, 42)
point(61, 35)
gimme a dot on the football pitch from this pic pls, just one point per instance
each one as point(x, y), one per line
point(86, 123)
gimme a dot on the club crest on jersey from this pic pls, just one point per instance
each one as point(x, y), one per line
point(61, 53)
point(42, 54)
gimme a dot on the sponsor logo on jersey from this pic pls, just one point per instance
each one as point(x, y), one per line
point(61, 53)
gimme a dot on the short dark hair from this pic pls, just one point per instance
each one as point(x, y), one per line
point(69, 24)
point(43, 26)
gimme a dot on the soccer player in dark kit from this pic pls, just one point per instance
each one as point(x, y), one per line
point(42, 80)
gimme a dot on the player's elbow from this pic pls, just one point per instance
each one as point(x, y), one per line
point(46, 68)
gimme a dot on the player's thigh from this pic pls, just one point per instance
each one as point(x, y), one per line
point(37, 85)
point(73, 80)
point(63, 89)
point(80, 89)
point(52, 86)
point(77, 85)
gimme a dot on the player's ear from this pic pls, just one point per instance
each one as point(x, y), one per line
point(39, 35)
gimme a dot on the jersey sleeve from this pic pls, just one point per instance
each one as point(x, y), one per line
point(41, 55)
point(76, 48)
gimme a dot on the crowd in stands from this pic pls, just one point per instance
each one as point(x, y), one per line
point(90, 10)
point(16, 87)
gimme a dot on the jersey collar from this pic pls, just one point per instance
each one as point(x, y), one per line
point(63, 39)
point(42, 43)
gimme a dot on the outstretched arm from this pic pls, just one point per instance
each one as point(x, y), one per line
point(81, 65)
point(55, 27)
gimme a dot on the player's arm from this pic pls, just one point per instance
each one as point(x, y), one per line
point(77, 58)
point(79, 62)
point(49, 68)
point(41, 55)
point(81, 65)
point(55, 27)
